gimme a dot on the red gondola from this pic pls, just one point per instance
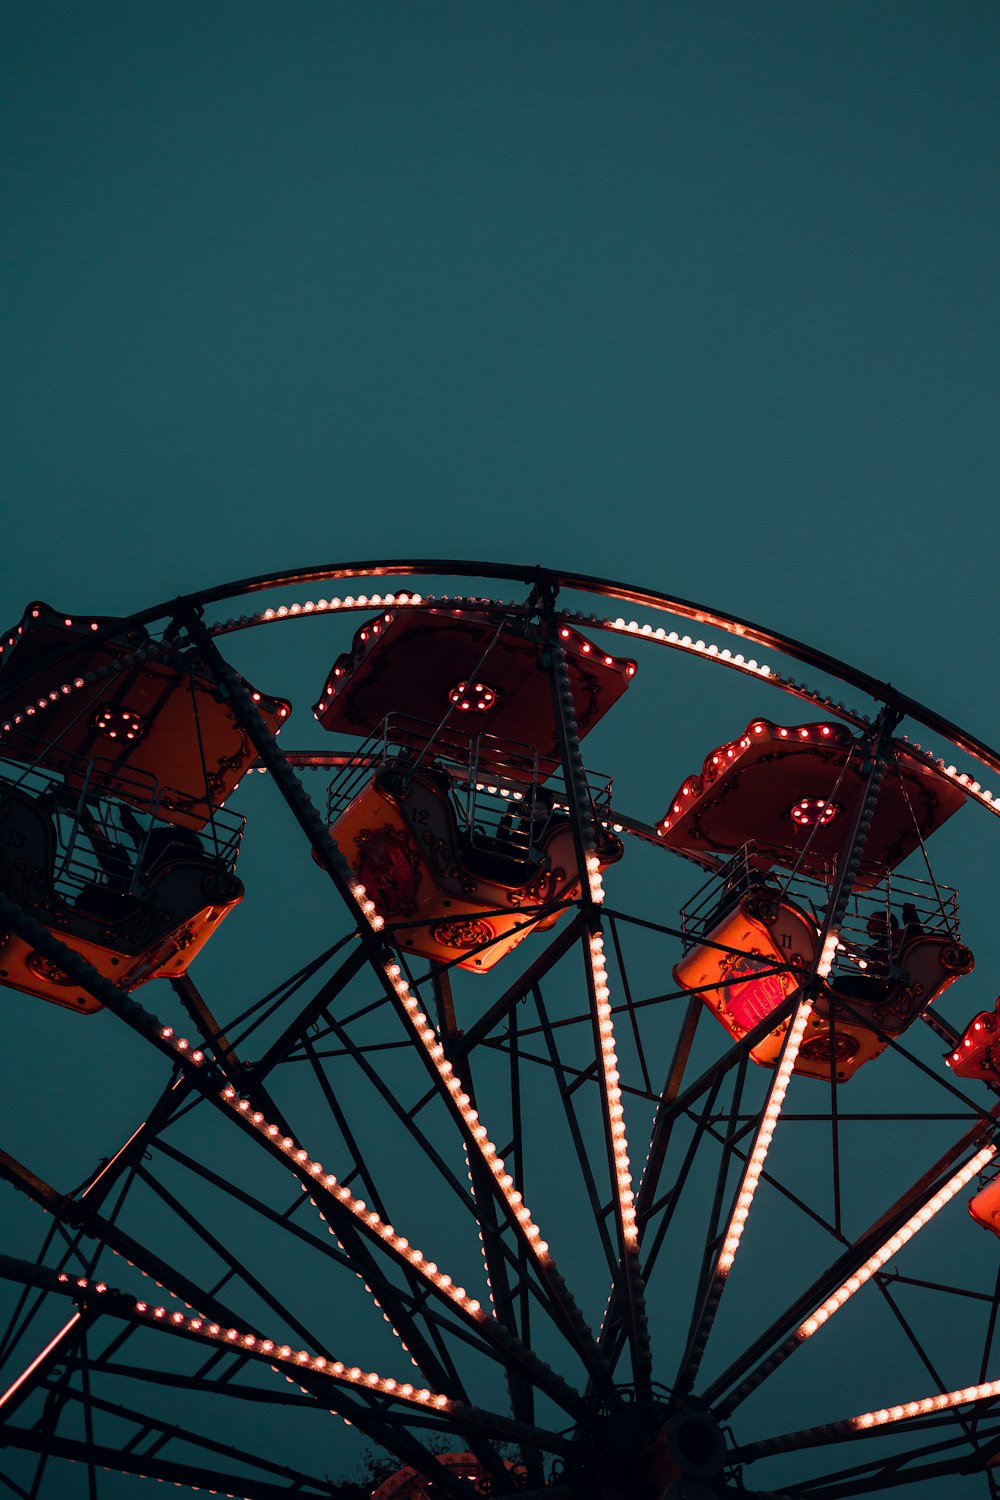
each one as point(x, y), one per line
point(793, 791)
point(459, 672)
point(751, 938)
point(63, 703)
point(985, 1206)
point(137, 898)
point(448, 883)
point(978, 1052)
point(407, 1484)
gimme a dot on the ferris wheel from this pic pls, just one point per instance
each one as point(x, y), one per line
point(457, 1118)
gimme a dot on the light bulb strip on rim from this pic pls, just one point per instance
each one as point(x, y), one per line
point(710, 651)
point(722, 655)
point(961, 779)
point(352, 604)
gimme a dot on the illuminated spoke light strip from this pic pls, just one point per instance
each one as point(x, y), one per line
point(432, 1044)
point(385, 1316)
point(859, 1278)
point(401, 1246)
point(482, 1238)
point(356, 1206)
point(281, 1356)
point(43, 1354)
point(758, 1156)
point(985, 1392)
point(885, 1416)
point(429, 1040)
point(895, 1243)
point(828, 953)
point(612, 1089)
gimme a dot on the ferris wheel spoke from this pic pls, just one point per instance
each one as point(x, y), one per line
point(739, 1213)
point(389, 1097)
point(852, 1270)
point(348, 1218)
point(967, 1421)
point(235, 1269)
point(110, 1234)
point(158, 1433)
point(879, 751)
point(566, 1096)
point(404, 999)
point(944, 1408)
point(191, 1060)
point(194, 1477)
point(495, 1253)
point(372, 1402)
point(881, 1474)
point(479, 1202)
point(583, 819)
point(299, 1027)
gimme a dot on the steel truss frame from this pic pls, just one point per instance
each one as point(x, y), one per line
point(53, 1405)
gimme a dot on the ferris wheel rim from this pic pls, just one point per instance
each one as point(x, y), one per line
point(562, 580)
point(878, 690)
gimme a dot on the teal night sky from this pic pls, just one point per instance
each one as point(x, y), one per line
point(700, 296)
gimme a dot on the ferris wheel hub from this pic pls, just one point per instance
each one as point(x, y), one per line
point(647, 1452)
point(695, 1443)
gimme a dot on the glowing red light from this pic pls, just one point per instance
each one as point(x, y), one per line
point(811, 811)
point(473, 697)
point(749, 996)
point(114, 723)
